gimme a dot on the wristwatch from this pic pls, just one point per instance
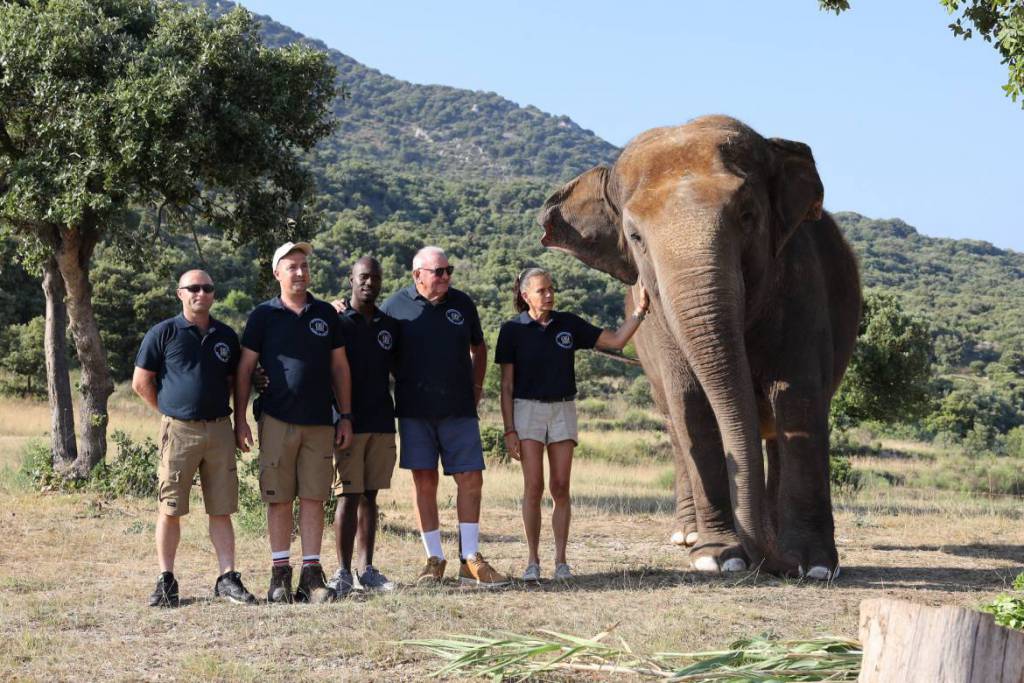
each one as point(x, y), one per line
point(344, 416)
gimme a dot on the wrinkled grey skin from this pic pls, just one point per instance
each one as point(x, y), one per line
point(755, 306)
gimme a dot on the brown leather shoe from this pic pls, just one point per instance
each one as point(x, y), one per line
point(432, 572)
point(476, 571)
point(313, 586)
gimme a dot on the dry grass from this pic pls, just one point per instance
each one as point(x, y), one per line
point(75, 572)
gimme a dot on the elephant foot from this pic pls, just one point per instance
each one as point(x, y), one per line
point(718, 558)
point(684, 538)
point(809, 558)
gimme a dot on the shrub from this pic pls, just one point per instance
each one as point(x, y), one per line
point(493, 440)
point(639, 393)
point(1008, 610)
point(133, 473)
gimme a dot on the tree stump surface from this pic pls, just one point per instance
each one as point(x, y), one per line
point(907, 642)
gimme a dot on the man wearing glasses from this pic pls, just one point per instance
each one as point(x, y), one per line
point(297, 338)
point(438, 383)
point(185, 370)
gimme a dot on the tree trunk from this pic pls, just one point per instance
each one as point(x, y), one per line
point(907, 642)
point(58, 382)
point(76, 246)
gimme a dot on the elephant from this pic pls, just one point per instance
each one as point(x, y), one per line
point(755, 307)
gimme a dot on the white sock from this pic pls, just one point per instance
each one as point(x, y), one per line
point(432, 543)
point(279, 557)
point(469, 535)
point(310, 559)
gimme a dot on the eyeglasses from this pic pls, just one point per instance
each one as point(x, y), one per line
point(195, 289)
point(438, 272)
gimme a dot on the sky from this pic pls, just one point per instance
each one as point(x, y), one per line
point(905, 120)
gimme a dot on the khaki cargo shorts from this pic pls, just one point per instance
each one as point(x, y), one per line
point(546, 422)
point(295, 460)
point(367, 465)
point(206, 445)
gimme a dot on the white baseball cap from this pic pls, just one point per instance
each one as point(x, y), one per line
point(287, 248)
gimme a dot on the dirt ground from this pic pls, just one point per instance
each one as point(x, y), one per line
point(76, 570)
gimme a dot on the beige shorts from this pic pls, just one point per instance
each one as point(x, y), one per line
point(546, 422)
point(204, 445)
point(365, 466)
point(295, 460)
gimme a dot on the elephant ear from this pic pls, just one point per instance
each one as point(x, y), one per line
point(583, 219)
point(797, 192)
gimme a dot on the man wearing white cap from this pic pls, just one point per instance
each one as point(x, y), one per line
point(298, 341)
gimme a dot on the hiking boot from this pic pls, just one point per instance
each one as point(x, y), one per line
point(532, 573)
point(166, 592)
point(280, 584)
point(432, 572)
point(229, 586)
point(563, 573)
point(372, 580)
point(312, 586)
point(477, 572)
point(341, 582)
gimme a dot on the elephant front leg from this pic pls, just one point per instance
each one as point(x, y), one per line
point(717, 547)
point(684, 532)
point(806, 528)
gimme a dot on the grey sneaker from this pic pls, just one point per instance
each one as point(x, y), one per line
point(229, 586)
point(341, 582)
point(532, 573)
point(372, 580)
point(563, 573)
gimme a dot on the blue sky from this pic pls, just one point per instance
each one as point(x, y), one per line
point(905, 119)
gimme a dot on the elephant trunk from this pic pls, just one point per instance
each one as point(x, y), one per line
point(703, 302)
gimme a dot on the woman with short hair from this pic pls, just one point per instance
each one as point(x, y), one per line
point(536, 351)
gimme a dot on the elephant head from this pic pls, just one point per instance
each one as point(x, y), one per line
point(701, 214)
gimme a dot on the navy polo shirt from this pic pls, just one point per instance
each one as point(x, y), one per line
point(434, 376)
point(295, 351)
point(192, 370)
point(372, 347)
point(544, 358)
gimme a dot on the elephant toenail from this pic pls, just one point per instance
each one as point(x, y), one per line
point(691, 538)
point(734, 564)
point(705, 564)
point(678, 538)
point(819, 573)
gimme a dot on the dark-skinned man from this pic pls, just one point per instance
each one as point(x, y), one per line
point(185, 370)
point(371, 342)
point(298, 341)
point(438, 384)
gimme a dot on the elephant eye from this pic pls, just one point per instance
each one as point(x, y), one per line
point(635, 237)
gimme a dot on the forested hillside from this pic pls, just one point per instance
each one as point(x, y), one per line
point(410, 165)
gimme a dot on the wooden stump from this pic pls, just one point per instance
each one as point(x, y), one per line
point(907, 642)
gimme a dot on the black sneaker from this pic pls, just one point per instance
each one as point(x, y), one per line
point(230, 586)
point(312, 586)
point(166, 592)
point(280, 584)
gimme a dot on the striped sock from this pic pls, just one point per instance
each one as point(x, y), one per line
point(280, 558)
point(310, 559)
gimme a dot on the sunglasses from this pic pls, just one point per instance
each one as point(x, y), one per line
point(195, 289)
point(438, 272)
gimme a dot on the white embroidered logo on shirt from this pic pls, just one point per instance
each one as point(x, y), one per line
point(454, 317)
point(318, 326)
point(564, 339)
point(385, 340)
point(221, 350)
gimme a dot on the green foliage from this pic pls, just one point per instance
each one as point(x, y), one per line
point(887, 379)
point(133, 471)
point(1000, 22)
point(21, 354)
point(493, 439)
point(1008, 610)
point(976, 473)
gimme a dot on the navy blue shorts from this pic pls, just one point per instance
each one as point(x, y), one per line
point(455, 439)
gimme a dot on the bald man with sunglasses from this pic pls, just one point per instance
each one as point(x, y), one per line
point(185, 370)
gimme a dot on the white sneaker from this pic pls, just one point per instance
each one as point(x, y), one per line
point(532, 573)
point(563, 573)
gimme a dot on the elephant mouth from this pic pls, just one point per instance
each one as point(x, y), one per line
point(556, 233)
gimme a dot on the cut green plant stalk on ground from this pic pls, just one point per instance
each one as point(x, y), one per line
point(511, 656)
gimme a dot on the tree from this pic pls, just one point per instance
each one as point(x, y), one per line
point(21, 354)
point(996, 21)
point(112, 105)
point(889, 374)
